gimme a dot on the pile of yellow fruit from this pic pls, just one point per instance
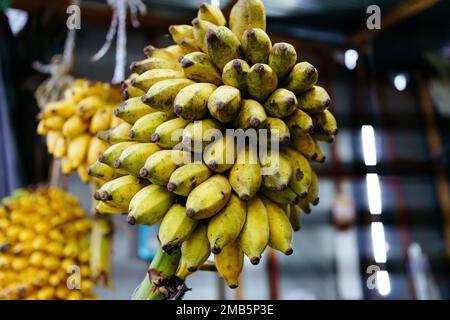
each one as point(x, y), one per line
point(44, 246)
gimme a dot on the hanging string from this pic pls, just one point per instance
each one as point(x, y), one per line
point(118, 27)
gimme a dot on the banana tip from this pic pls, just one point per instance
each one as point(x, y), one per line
point(117, 111)
point(143, 172)
point(296, 200)
point(186, 63)
point(97, 195)
point(289, 251)
point(286, 139)
point(177, 109)
point(131, 134)
point(303, 195)
point(105, 196)
point(220, 105)
point(255, 260)
point(255, 123)
point(171, 186)
point(195, 22)
point(101, 157)
point(131, 220)
point(283, 47)
point(190, 212)
point(192, 269)
point(216, 250)
point(117, 163)
point(133, 65)
point(316, 201)
point(155, 137)
point(259, 68)
point(212, 165)
point(233, 286)
point(245, 197)
point(282, 187)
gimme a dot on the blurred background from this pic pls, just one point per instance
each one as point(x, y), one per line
point(384, 189)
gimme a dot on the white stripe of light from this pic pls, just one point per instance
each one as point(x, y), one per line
point(373, 193)
point(368, 144)
point(383, 282)
point(378, 242)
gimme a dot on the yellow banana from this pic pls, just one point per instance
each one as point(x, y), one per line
point(191, 101)
point(280, 229)
point(282, 197)
point(77, 149)
point(96, 148)
point(212, 14)
point(309, 147)
point(314, 100)
point(261, 81)
point(220, 155)
point(87, 107)
point(184, 179)
point(235, 74)
point(301, 172)
point(162, 94)
point(224, 103)
point(247, 14)
point(281, 103)
point(277, 128)
point(60, 148)
point(170, 133)
point(302, 77)
point(325, 123)
point(62, 108)
point(128, 91)
point(145, 80)
point(300, 123)
point(294, 217)
point(116, 134)
point(256, 45)
point(181, 31)
point(113, 152)
point(141, 66)
point(198, 66)
point(200, 28)
point(161, 53)
point(278, 171)
point(282, 59)
point(119, 192)
point(145, 127)
point(101, 119)
point(83, 172)
point(160, 165)
point(245, 176)
point(101, 171)
point(53, 123)
point(195, 249)
point(74, 126)
point(251, 115)
point(198, 134)
point(132, 110)
point(313, 192)
point(222, 46)
point(229, 264)
point(133, 158)
point(66, 166)
point(103, 208)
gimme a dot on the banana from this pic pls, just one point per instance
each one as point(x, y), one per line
point(87, 107)
point(66, 165)
point(184, 179)
point(309, 147)
point(222, 46)
point(180, 32)
point(160, 165)
point(280, 229)
point(198, 66)
point(176, 50)
point(300, 123)
point(220, 155)
point(224, 103)
point(182, 271)
point(141, 66)
point(282, 59)
point(281, 103)
point(278, 128)
point(304, 206)
point(175, 228)
point(96, 148)
point(143, 211)
point(161, 53)
point(313, 191)
point(132, 110)
point(247, 14)
point(100, 120)
point(53, 123)
point(294, 217)
point(115, 122)
point(235, 74)
point(225, 227)
point(119, 192)
point(189, 45)
point(103, 208)
point(133, 158)
point(170, 133)
point(195, 249)
point(60, 148)
point(128, 91)
point(77, 149)
point(198, 134)
point(208, 198)
point(325, 123)
point(282, 197)
point(254, 236)
point(74, 126)
point(62, 108)
point(145, 127)
point(83, 173)
point(147, 79)
point(229, 264)
point(301, 172)
point(191, 102)
point(116, 134)
point(245, 176)
point(110, 155)
point(41, 129)
point(212, 14)
point(314, 100)
point(101, 171)
point(256, 45)
point(302, 77)
point(200, 28)
point(162, 94)
point(278, 171)
point(320, 136)
point(251, 115)
point(261, 81)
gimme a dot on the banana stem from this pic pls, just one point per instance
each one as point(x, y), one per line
point(208, 266)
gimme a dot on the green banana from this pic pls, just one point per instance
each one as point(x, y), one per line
point(153, 63)
point(102, 171)
point(314, 100)
point(132, 109)
point(118, 192)
point(301, 78)
point(149, 205)
point(245, 176)
point(162, 94)
point(224, 103)
point(278, 128)
point(195, 249)
point(282, 197)
point(220, 155)
point(170, 133)
point(184, 179)
point(159, 166)
point(281, 103)
point(198, 134)
point(208, 198)
point(247, 14)
point(198, 66)
point(301, 172)
point(282, 59)
point(191, 102)
point(261, 81)
point(235, 74)
point(212, 14)
point(147, 79)
point(200, 28)
point(325, 123)
point(145, 127)
point(133, 158)
point(116, 134)
point(251, 115)
point(229, 264)
point(113, 152)
point(278, 171)
point(254, 236)
point(222, 46)
point(300, 123)
point(280, 229)
point(225, 227)
point(256, 46)
point(175, 228)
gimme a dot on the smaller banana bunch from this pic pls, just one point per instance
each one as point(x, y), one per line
point(71, 124)
point(209, 195)
point(44, 247)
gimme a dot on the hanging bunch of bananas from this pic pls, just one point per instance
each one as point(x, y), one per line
point(44, 247)
point(213, 79)
point(70, 125)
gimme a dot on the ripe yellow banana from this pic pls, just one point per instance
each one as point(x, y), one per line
point(175, 228)
point(280, 229)
point(96, 148)
point(225, 227)
point(82, 171)
point(198, 66)
point(282, 59)
point(132, 110)
point(325, 123)
point(147, 79)
point(301, 172)
point(224, 103)
point(133, 158)
point(220, 155)
point(245, 176)
point(235, 74)
point(145, 127)
point(294, 217)
point(120, 191)
point(101, 171)
point(60, 148)
point(222, 46)
point(178, 32)
point(153, 63)
point(113, 152)
point(103, 208)
point(313, 192)
point(74, 126)
point(198, 134)
point(162, 94)
point(277, 128)
point(300, 123)
point(200, 28)
point(161, 53)
point(62, 108)
point(309, 147)
point(282, 197)
point(229, 264)
point(254, 236)
point(191, 101)
point(87, 107)
point(160, 165)
point(261, 81)
point(302, 77)
point(53, 123)
point(77, 149)
point(314, 100)
point(101, 119)
point(247, 14)
point(195, 249)
point(251, 115)
point(116, 134)
point(256, 45)
point(143, 211)
point(278, 171)
point(212, 14)
point(281, 103)
point(128, 91)
point(184, 179)
point(170, 133)
point(208, 198)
